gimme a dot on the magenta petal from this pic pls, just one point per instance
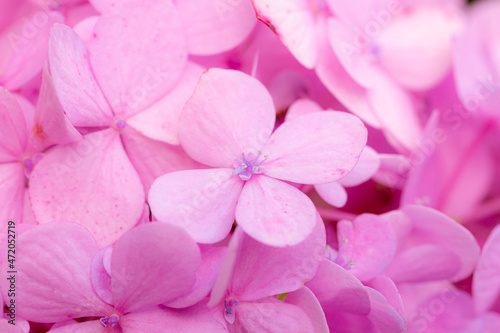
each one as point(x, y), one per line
point(338, 290)
point(93, 326)
point(6, 327)
point(51, 125)
point(206, 275)
point(74, 80)
point(229, 113)
point(201, 201)
point(13, 136)
point(152, 55)
point(370, 242)
point(389, 290)
point(212, 28)
point(272, 316)
point(486, 283)
point(156, 320)
point(81, 182)
point(53, 271)
point(305, 299)
point(316, 148)
point(100, 277)
point(262, 270)
point(385, 318)
point(151, 264)
point(274, 212)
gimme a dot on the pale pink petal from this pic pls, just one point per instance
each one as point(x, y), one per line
point(294, 22)
point(338, 290)
point(93, 326)
point(76, 87)
point(396, 112)
point(12, 180)
point(428, 263)
point(486, 283)
point(206, 275)
point(81, 182)
point(201, 201)
point(152, 159)
point(262, 270)
point(51, 126)
point(393, 170)
point(416, 47)
point(305, 299)
point(156, 320)
point(101, 5)
point(53, 274)
point(389, 290)
point(13, 136)
point(24, 46)
point(436, 228)
point(229, 113)
point(333, 193)
point(100, 276)
point(151, 264)
point(316, 148)
point(215, 27)
point(367, 166)
point(369, 243)
point(152, 55)
point(302, 107)
point(85, 28)
point(6, 327)
point(274, 212)
point(161, 120)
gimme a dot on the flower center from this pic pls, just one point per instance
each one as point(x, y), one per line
point(229, 311)
point(340, 259)
point(120, 124)
point(30, 162)
point(110, 320)
point(248, 165)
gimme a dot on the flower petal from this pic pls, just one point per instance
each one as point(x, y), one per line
point(201, 201)
point(275, 213)
point(316, 148)
point(305, 299)
point(333, 193)
point(74, 82)
point(81, 182)
point(151, 264)
point(53, 274)
point(13, 135)
point(152, 55)
point(367, 166)
point(12, 180)
point(229, 113)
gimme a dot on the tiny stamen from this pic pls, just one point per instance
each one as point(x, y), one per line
point(246, 168)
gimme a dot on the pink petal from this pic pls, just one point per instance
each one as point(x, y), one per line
point(338, 290)
point(367, 166)
point(206, 275)
point(93, 326)
point(316, 148)
point(389, 290)
point(6, 327)
point(74, 80)
point(302, 107)
point(486, 284)
point(262, 270)
point(428, 263)
point(156, 320)
point(436, 228)
point(333, 193)
point(152, 159)
point(12, 180)
point(100, 276)
point(51, 126)
point(305, 299)
point(229, 113)
point(154, 58)
point(385, 318)
point(275, 213)
point(370, 242)
point(24, 45)
point(161, 120)
point(213, 28)
point(201, 201)
point(98, 195)
point(53, 274)
point(151, 264)
point(13, 136)
point(293, 21)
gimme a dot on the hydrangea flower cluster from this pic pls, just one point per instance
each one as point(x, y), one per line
point(303, 166)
